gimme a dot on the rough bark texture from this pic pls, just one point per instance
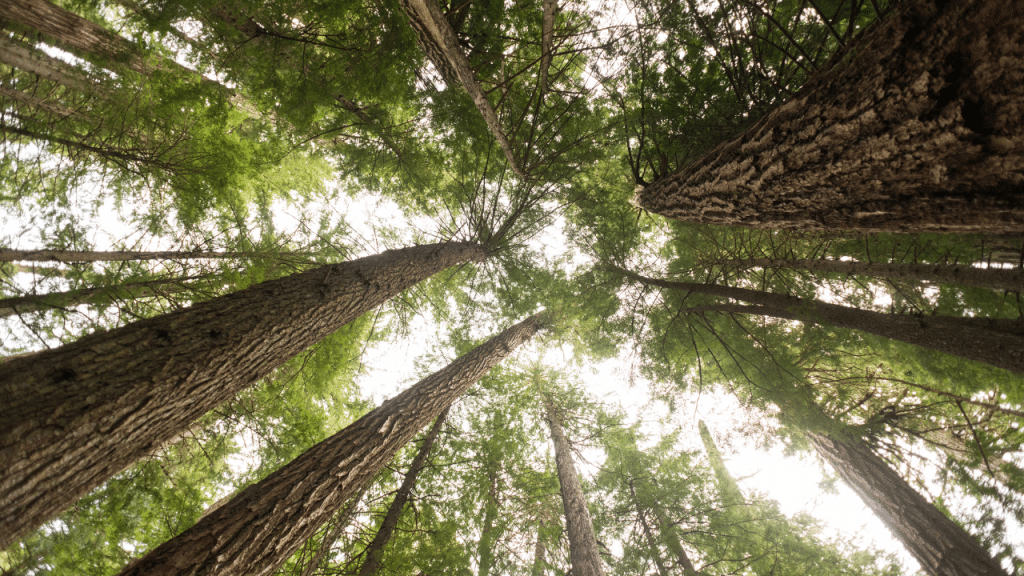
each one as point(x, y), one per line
point(339, 524)
point(1010, 279)
point(941, 546)
point(91, 296)
point(917, 127)
point(260, 528)
point(8, 255)
point(375, 551)
point(994, 341)
point(437, 39)
point(547, 42)
point(583, 552)
point(75, 415)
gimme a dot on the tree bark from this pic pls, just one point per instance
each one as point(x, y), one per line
point(75, 415)
point(340, 523)
point(65, 256)
point(1009, 279)
point(95, 296)
point(437, 39)
point(994, 341)
point(32, 61)
point(375, 551)
point(918, 126)
point(583, 552)
point(261, 527)
point(941, 546)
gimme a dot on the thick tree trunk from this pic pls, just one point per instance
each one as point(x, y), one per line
point(66, 256)
point(583, 552)
point(437, 39)
point(375, 551)
point(652, 544)
point(917, 127)
point(941, 546)
point(96, 296)
point(1009, 279)
point(998, 342)
point(261, 527)
point(75, 415)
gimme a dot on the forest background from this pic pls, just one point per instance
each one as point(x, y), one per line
point(157, 155)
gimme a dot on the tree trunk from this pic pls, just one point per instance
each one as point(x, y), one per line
point(36, 62)
point(437, 39)
point(672, 540)
point(652, 544)
point(539, 553)
point(75, 415)
point(916, 127)
point(95, 296)
point(583, 552)
point(1009, 279)
point(65, 256)
point(260, 528)
point(729, 491)
point(941, 546)
point(485, 548)
point(340, 523)
point(994, 341)
point(375, 551)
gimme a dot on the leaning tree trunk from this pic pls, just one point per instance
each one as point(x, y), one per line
point(584, 555)
point(66, 256)
point(918, 126)
point(673, 542)
point(995, 341)
point(1010, 279)
point(941, 546)
point(76, 415)
point(95, 296)
point(375, 551)
point(260, 528)
point(338, 525)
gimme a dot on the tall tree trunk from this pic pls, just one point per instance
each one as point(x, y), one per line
point(1010, 279)
point(36, 62)
point(375, 551)
point(65, 256)
point(485, 547)
point(673, 542)
point(916, 127)
point(941, 546)
point(728, 489)
point(539, 553)
point(998, 342)
point(76, 415)
point(95, 296)
point(652, 544)
point(261, 527)
point(437, 39)
point(583, 552)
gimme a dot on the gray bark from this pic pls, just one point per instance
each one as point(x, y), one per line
point(941, 546)
point(583, 551)
point(917, 127)
point(96, 296)
point(75, 415)
point(260, 528)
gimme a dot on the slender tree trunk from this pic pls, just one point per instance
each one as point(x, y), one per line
point(261, 527)
point(941, 546)
point(672, 540)
point(375, 551)
point(1009, 279)
point(65, 256)
point(485, 548)
point(539, 553)
point(730, 491)
point(583, 552)
point(75, 415)
point(994, 341)
point(652, 544)
point(916, 127)
point(95, 296)
point(437, 39)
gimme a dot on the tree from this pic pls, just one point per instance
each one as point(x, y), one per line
point(909, 130)
point(259, 528)
point(375, 551)
point(583, 551)
point(84, 411)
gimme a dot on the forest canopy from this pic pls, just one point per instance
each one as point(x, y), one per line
point(509, 287)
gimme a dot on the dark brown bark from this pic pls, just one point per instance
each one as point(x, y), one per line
point(583, 552)
point(652, 544)
point(917, 127)
point(941, 546)
point(261, 527)
point(994, 341)
point(1009, 279)
point(437, 39)
point(95, 296)
point(375, 550)
point(65, 256)
point(75, 415)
